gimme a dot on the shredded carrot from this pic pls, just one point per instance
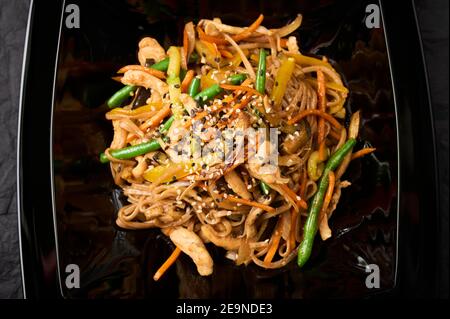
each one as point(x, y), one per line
point(244, 101)
point(294, 215)
point(302, 191)
point(117, 78)
point(321, 89)
point(156, 119)
point(169, 262)
point(156, 73)
point(363, 152)
point(305, 113)
point(283, 42)
point(328, 195)
point(240, 87)
point(226, 54)
point(209, 38)
point(335, 135)
point(203, 114)
point(185, 44)
point(248, 32)
point(274, 243)
point(187, 80)
point(250, 203)
point(300, 202)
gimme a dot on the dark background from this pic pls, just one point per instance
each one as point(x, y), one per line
point(433, 23)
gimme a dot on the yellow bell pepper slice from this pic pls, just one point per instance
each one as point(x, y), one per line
point(307, 60)
point(142, 109)
point(281, 80)
point(171, 172)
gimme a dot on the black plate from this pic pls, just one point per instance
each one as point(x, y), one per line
point(62, 186)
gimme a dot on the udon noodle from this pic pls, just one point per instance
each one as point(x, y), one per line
point(217, 82)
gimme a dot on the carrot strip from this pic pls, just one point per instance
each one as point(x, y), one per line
point(209, 38)
point(321, 89)
point(156, 73)
point(363, 152)
point(335, 135)
point(329, 193)
point(274, 243)
point(185, 43)
point(226, 53)
point(169, 262)
point(250, 203)
point(187, 80)
point(244, 101)
point(248, 32)
point(156, 119)
point(305, 113)
point(294, 215)
point(300, 202)
point(203, 114)
point(240, 87)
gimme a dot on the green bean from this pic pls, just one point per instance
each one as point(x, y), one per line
point(237, 79)
point(261, 75)
point(164, 64)
point(183, 73)
point(194, 87)
point(117, 99)
point(132, 151)
point(265, 189)
point(161, 65)
point(215, 89)
point(166, 126)
point(208, 93)
point(311, 225)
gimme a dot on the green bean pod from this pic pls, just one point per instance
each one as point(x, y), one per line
point(311, 225)
point(166, 126)
point(120, 96)
point(265, 189)
point(194, 87)
point(132, 151)
point(261, 73)
point(208, 93)
point(237, 79)
point(161, 65)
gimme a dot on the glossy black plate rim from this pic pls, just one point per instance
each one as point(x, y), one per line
point(38, 244)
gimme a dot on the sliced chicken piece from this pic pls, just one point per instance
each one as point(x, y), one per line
point(292, 45)
point(192, 245)
point(228, 242)
point(237, 185)
point(140, 78)
point(189, 103)
point(149, 48)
